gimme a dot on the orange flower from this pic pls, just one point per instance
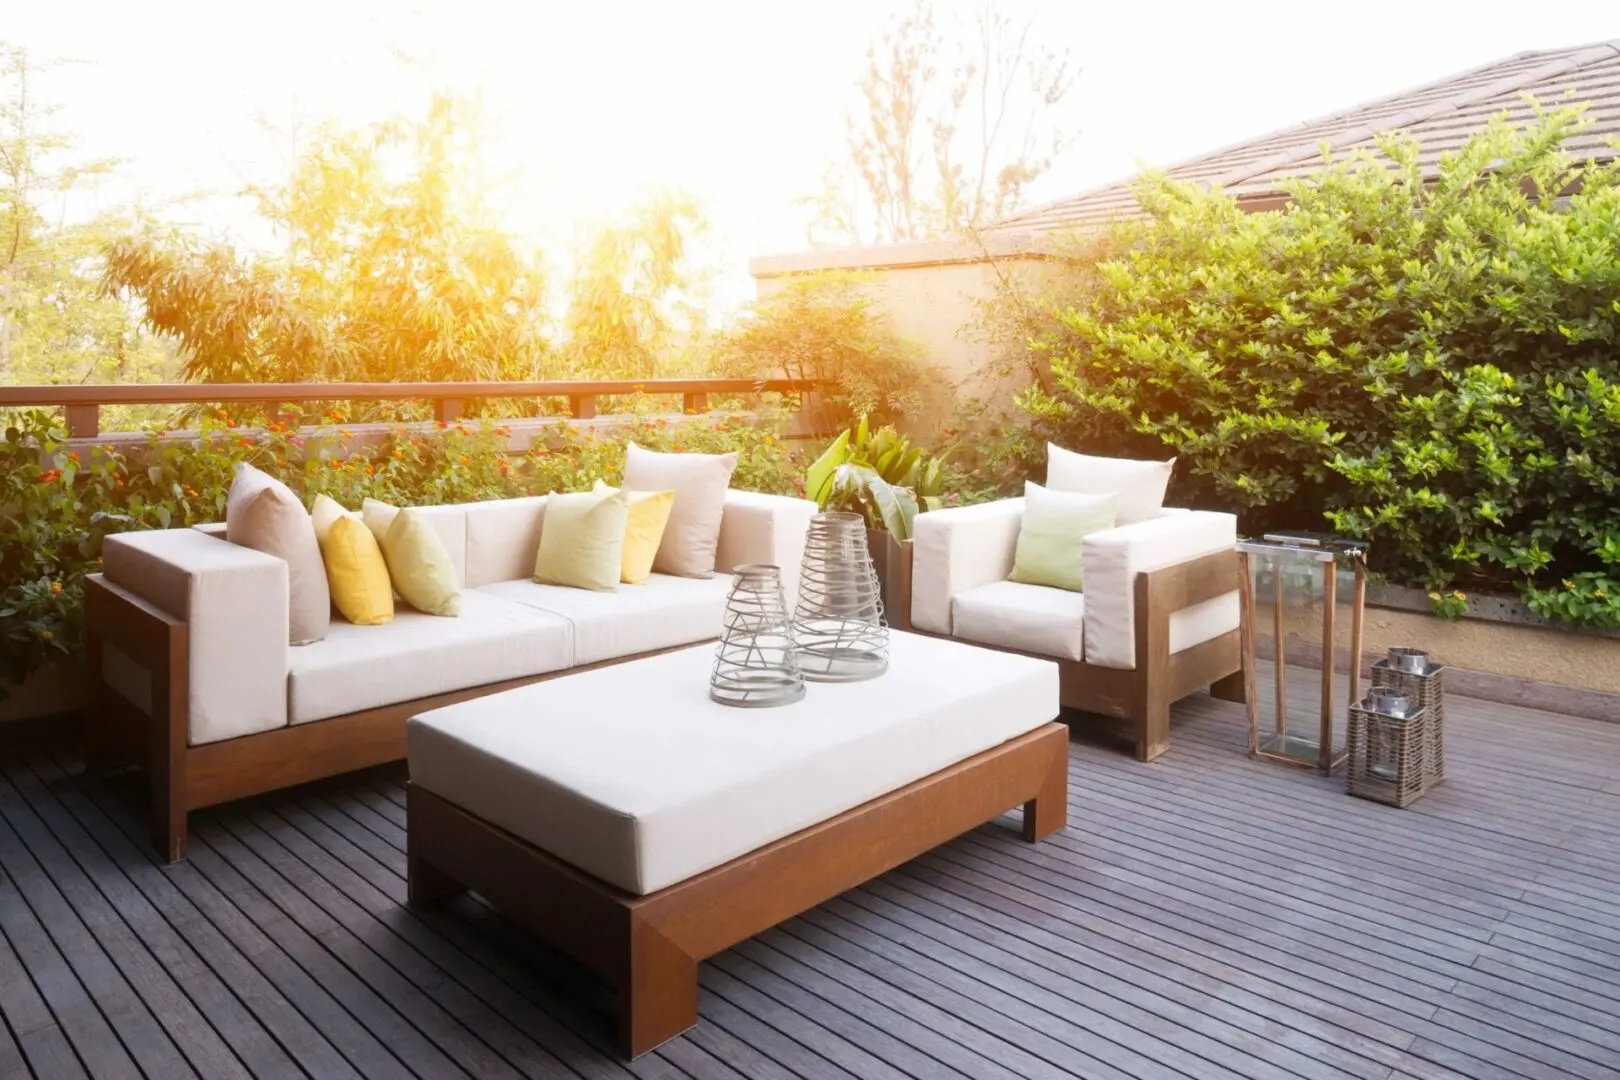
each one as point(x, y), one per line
point(244, 440)
point(370, 471)
point(465, 460)
point(191, 493)
point(46, 636)
point(440, 424)
point(503, 431)
point(73, 457)
point(56, 588)
point(395, 454)
point(50, 476)
point(345, 434)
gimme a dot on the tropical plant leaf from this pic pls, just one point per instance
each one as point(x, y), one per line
point(818, 480)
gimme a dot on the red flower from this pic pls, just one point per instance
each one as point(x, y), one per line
point(50, 476)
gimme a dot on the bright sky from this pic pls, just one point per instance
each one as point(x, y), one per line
point(739, 101)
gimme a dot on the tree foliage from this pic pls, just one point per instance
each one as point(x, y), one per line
point(1431, 365)
point(56, 323)
point(826, 327)
point(957, 118)
point(391, 268)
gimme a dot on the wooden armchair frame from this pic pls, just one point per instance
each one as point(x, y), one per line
point(1140, 698)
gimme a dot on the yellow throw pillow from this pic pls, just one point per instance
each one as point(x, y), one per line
point(582, 540)
point(357, 572)
point(644, 528)
point(418, 562)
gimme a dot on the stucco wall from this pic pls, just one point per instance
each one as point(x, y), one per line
point(934, 291)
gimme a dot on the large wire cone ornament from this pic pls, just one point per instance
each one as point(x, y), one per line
point(755, 664)
point(838, 623)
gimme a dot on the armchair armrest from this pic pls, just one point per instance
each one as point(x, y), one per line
point(956, 550)
point(760, 528)
point(234, 602)
point(1112, 560)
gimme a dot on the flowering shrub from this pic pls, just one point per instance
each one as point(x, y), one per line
point(60, 502)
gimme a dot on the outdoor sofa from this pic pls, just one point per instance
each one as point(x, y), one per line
point(191, 674)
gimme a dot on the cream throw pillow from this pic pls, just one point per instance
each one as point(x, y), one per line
point(1054, 526)
point(418, 562)
point(699, 482)
point(1139, 485)
point(582, 540)
point(262, 513)
point(644, 528)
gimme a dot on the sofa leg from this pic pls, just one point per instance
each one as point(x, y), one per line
point(1230, 688)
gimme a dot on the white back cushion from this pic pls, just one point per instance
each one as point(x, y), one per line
point(1139, 485)
point(503, 537)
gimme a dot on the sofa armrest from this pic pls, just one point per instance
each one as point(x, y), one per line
point(770, 529)
point(1110, 562)
point(956, 550)
point(234, 602)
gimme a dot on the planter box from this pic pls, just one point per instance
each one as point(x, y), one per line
point(892, 559)
point(54, 689)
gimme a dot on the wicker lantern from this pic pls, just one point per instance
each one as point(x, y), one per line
point(838, 624)
point(1411, 673)
point(1388, 748)
point(756, 664)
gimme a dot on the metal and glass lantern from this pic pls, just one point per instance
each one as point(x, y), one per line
point(838, 623)
point(1301, 593)
point(1413, 673)
point(756, 663)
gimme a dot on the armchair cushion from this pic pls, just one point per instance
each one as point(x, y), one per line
point(1028, 618)
point(955, 550)
point(1055, 522)
point(1113, 559)
point(235, 602)
point(1139, 485)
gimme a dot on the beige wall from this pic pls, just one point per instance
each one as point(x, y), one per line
point(934, 291)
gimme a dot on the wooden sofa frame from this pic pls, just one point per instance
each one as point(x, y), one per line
point(648, 947)
point(182, 777)
point(1140, 698)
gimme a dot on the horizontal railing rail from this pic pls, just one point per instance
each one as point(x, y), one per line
point(82, 403)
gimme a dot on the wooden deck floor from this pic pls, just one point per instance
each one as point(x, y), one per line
point(1203, 916)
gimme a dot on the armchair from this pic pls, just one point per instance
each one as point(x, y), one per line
point(1159, 617)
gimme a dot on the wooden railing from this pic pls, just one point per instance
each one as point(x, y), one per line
point(82, 404)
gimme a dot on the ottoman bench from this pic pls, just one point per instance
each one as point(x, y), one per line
point(640, 827)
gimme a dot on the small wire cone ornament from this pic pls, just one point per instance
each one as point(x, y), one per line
point(838, 623)
point(755, 664)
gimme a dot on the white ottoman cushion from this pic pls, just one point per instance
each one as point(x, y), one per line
point(632, 774)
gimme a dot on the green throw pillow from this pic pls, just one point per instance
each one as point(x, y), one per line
point(419, 564)
point(1055, 523)
point(582, 540)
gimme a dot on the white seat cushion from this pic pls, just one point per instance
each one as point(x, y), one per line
point(632, 774)
point(417, 655)
point(1030, 618)
point(665, 612)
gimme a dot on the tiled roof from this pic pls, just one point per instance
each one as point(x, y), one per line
point(1441, 116)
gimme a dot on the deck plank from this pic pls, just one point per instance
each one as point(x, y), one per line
point(1203, 916)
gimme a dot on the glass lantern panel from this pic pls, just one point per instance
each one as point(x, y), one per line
point(1290, 620)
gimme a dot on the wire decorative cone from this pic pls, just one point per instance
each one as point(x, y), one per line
point(838, 622)
point(756, 665)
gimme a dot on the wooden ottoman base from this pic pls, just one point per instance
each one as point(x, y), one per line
point(648, 947)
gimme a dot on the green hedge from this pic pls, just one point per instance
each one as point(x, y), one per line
point(1431, 366)
point(60, 502)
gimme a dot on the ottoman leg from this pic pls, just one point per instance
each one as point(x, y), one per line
point(1048, 811)
point(658, 999)
point(425, 882)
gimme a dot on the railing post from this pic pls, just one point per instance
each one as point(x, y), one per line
point(83, 421)
point(446, 410)
point(695, 403)
point(582, 406)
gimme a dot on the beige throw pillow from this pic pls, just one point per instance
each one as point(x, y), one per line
point(1138, 485)
point(262, 513)
point(699, 482)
